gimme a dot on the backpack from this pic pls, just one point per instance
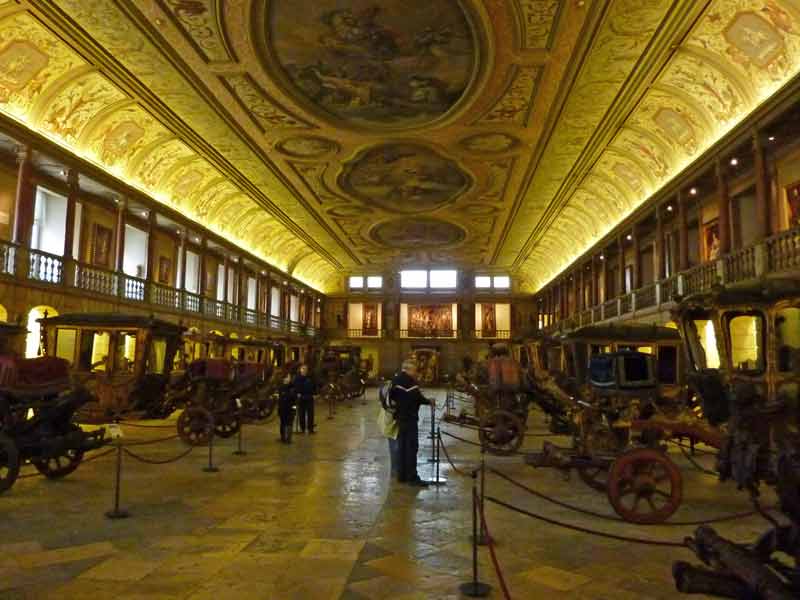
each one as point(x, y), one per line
point(504, 374)
point(384, 391)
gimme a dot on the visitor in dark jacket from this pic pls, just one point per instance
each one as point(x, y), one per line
point(407, 398)
point(305, 388)
point(287, 401)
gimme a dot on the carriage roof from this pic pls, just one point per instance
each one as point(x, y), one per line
point(759, 293)
point(115, 320)
point(623, 332)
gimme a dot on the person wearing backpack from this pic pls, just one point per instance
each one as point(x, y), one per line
point(407, 398)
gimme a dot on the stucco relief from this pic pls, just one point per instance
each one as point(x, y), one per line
point(198, 19)
point(307, 146)
point(421, 232)
point(516, 102)
point(538, 19)
point(263, 109)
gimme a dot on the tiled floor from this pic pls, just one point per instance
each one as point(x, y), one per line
point(320, 519)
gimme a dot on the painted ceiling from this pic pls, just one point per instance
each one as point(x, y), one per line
point(341, 136)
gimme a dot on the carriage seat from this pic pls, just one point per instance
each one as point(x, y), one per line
point(33, 377)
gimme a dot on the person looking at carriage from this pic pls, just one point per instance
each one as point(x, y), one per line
point(305, 388)
point(406, 397)
point(287, 405)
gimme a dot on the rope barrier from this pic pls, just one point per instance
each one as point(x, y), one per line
point(150, 461)
point(598, 515)
point(449, 460)
point(580, 529)
point(85, 460)
point(694, 463)
point(490, 543)
point(151, 442)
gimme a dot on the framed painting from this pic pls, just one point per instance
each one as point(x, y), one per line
point(711, 240)
point(164, 269)
point(101, 246)
point(793, 204)
point(370, 319)
point(489, 320)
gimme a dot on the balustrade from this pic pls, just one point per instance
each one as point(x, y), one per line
point(92, 279)
point(646, 297)
point(700, 278)
point(7, 258)
point(133, 288)
point(45, 267)
point(740, 265)
point(783, 250)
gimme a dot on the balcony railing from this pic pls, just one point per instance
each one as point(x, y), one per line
point(775, 256)
point(43, 268)
point(367, 333)
point(498, 334)
point(428, 333)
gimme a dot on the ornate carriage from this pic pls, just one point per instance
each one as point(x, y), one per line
point(37, 404)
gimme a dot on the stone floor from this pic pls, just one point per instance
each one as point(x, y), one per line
point(322, 519)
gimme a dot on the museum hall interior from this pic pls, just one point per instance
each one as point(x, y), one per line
point(399, 299)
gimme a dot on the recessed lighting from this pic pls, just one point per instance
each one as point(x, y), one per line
point(602, 257)
point(693, 191)
point(197, 239)
point(629, 237)
point(734, 161)
point(771, 138)
point(64, 172)
point(144, 213)
point(669, 208)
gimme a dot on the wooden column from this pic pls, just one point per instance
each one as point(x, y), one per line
point(621, 263)
point(683, 233)
point(763, 200)
point(636, 279)
point(25, 200)
point(73, 190)
point(152, 263)
point(724, 203)
point(120, 230)
point(658, 250)
point(182, 251)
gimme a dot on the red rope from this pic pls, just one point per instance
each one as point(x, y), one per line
point(490, 543)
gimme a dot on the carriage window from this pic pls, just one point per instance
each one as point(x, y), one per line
point(94, 351)
point(702, 340)
point(787, 325)
point(668, 364)
point(157, 358)
point(65, 343)
point(644, 349)
point(747, 342)
point(126, 351)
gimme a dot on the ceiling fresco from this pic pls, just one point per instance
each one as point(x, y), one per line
point(351, 135)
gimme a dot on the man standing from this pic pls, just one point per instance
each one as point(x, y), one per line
point(305, 389)
point(407, 398)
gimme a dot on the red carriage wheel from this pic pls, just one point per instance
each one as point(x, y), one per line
point(644, 486)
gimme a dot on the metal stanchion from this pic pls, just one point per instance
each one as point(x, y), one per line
point(438, 480)
point(240, 451)
point(475, 588)
point(433, 420)
point(210, 468)
point(116, 512)
point(483, 537)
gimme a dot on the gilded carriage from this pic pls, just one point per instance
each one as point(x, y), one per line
point(342, 373)
point(37, 405)
point(743, 351)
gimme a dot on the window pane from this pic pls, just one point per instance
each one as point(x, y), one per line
point(100, 343)
point(443, 279)
point(375, 282)
point(788, 328)
point(126, 352)
point(413, 279)
point(747, 349)
point(357, 281)
point(483, 281)
point(702, 341)
point(158, 354)
point(65, 344)
point(502, 281)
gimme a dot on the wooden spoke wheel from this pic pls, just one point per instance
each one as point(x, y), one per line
point(265, 406)
point(502, 432)
point(644, 486)
point(195, 425)
point(595, 477)
point(9, 462)
point(227, 423)
point(56, 467)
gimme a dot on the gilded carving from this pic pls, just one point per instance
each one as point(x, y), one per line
point(198, 20)
point(538, 21)
point(307, 146)
point(493, 143)
point(264, 110)
point(515, 105)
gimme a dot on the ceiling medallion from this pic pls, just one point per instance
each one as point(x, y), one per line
point(307, 146)
point(423, 232)
point(493, 143)
point(405, 178)
point(399, 64)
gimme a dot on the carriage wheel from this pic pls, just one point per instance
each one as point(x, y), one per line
point(9, 462)
point(56, 467)
point(194, 425)
point(644, 486)
point(595, 477)
point(502, 432)
point(227, 424)
point(265, 406)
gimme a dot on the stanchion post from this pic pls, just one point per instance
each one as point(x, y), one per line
point(210, 468)
point(433, 420)
point(116, 512)
point(437, 458)
point(240, 451)
point(483, 537)
point(475, 588)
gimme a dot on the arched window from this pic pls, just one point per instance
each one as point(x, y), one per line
point(33, 339)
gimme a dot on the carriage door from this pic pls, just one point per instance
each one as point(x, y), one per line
point(787, 367)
